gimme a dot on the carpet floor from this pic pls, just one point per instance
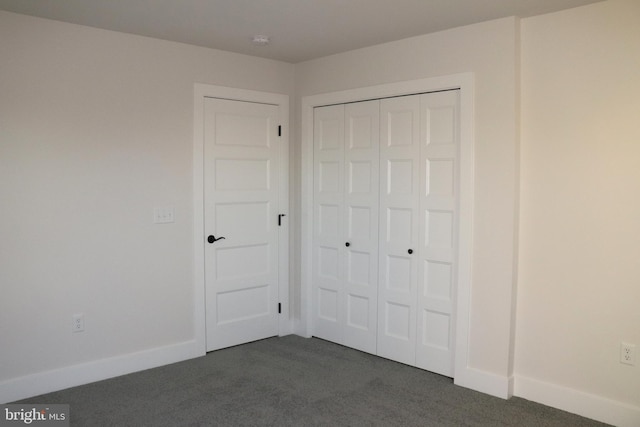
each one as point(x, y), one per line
point(293, 381)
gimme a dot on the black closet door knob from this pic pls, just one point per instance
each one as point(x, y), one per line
point(347, 244)
point(410, 251)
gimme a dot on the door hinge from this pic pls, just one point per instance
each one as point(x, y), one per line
point(279, 308)
point(279, 130)
point(280, 219)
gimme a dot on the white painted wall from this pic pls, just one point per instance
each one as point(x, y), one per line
point(490, 51)
point(579, 263)
point(96, 129)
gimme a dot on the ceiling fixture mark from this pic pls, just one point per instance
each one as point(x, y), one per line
point(261, 40)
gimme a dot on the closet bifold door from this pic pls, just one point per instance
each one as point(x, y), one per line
point(399, 227)
point(384, 228)
point(362, 126)
point(439, 154)
point(345, 240)
point(328, 224)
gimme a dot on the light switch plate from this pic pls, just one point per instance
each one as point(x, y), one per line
point(163, 215)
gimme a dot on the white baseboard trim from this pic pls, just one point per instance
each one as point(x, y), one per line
point(584, 404)
point(84, 373)
point(484, 382)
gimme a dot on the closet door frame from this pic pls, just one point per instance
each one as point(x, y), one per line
point(463, 374)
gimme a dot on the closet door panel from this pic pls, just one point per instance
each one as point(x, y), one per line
point(438, 211)
point(361, 218)
point(399, 227)
point(328, 247)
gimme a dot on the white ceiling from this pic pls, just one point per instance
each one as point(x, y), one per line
point(299, 29)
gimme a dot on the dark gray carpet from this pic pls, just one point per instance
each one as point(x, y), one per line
point(293, 381)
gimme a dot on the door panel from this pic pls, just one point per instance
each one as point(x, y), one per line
point(328, 229)
point(241, 205)
point(399, 156)
point(361, 218)
point(346, 232)
point(439, 161)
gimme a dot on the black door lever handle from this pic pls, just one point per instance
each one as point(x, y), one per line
point(212, 238)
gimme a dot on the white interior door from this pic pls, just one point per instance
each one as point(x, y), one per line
point(362, 136)
point(346, 227)
point(399, 201)
point(328, 228)
point(241, 152)
point(439, 149)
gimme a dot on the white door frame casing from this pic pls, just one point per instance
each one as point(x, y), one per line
point(202, 91)
point(464, 375)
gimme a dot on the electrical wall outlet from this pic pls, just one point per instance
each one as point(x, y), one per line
point(78, 323)
point(628, 353)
